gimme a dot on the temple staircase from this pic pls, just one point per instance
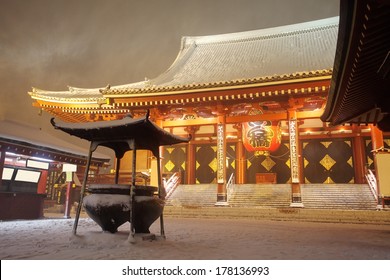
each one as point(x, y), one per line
point(261, 195)
point(314, 196)
point(338, 196)
point(193, 196)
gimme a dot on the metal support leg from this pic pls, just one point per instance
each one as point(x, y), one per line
point(76, 221)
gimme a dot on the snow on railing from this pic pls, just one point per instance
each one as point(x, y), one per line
point(230, 187)
point(371, 179)
point(172, 183)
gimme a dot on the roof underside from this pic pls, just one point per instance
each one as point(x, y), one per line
point(359, 90)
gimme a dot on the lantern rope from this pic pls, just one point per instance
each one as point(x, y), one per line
point(279, 157)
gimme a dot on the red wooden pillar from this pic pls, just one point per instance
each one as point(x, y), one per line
point(42, 182)
point(240, 155)
point(376, 137)
point(69, 170)
point(377, 144)
point(68, 205)
point(190, 161)
point(2, 160)
point(358, 149)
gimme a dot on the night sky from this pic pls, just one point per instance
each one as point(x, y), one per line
point(50, 44)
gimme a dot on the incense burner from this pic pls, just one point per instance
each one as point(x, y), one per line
point(110, 206)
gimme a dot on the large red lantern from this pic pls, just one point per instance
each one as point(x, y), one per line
point(261, 137)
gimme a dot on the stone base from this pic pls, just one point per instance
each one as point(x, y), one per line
point(221, 203)
point(297, 205)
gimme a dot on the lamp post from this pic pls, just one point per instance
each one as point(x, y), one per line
point(68, 169)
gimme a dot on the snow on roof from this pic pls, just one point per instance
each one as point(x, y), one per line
point(35, 136)
point(281, 50)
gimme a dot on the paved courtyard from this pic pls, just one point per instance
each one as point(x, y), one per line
point(190, 238)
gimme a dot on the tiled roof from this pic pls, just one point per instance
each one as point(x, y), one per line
point(277, 51)
point(79, 94)
point(73, 94)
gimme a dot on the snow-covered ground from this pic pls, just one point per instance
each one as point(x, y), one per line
point(195, 239)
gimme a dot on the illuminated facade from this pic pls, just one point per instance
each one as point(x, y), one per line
point(227, 91)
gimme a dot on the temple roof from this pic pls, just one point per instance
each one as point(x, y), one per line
point(252, 57)
point(360, 83)
point(276, 51)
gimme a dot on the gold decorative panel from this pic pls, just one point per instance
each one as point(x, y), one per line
point(327, 162)
point(329, 181)
point(326, 144)
point(268, 163)
point(169, 165)
point(170, 150)
point(350, 161)
point(214, 164)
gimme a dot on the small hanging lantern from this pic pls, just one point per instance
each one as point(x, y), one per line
point(262, 137)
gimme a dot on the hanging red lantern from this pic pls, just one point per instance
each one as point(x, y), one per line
point(261, 137)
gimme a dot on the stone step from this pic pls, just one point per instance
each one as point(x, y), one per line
point(193, 195)
point(348, 196)
point(282, 214)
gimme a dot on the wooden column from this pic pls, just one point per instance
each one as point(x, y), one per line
point(159, 122)
point(358, 149)
point(2, 160)
point(221, 162)
point(376, 137)
point(191, 160)
point(240, 156)
point(295, 165)
point(377, 144)
point(68, 205)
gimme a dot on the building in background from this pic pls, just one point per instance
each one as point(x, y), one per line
point(31, 171)
point(252, 103)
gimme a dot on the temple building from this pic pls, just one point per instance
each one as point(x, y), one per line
point(252, 103)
